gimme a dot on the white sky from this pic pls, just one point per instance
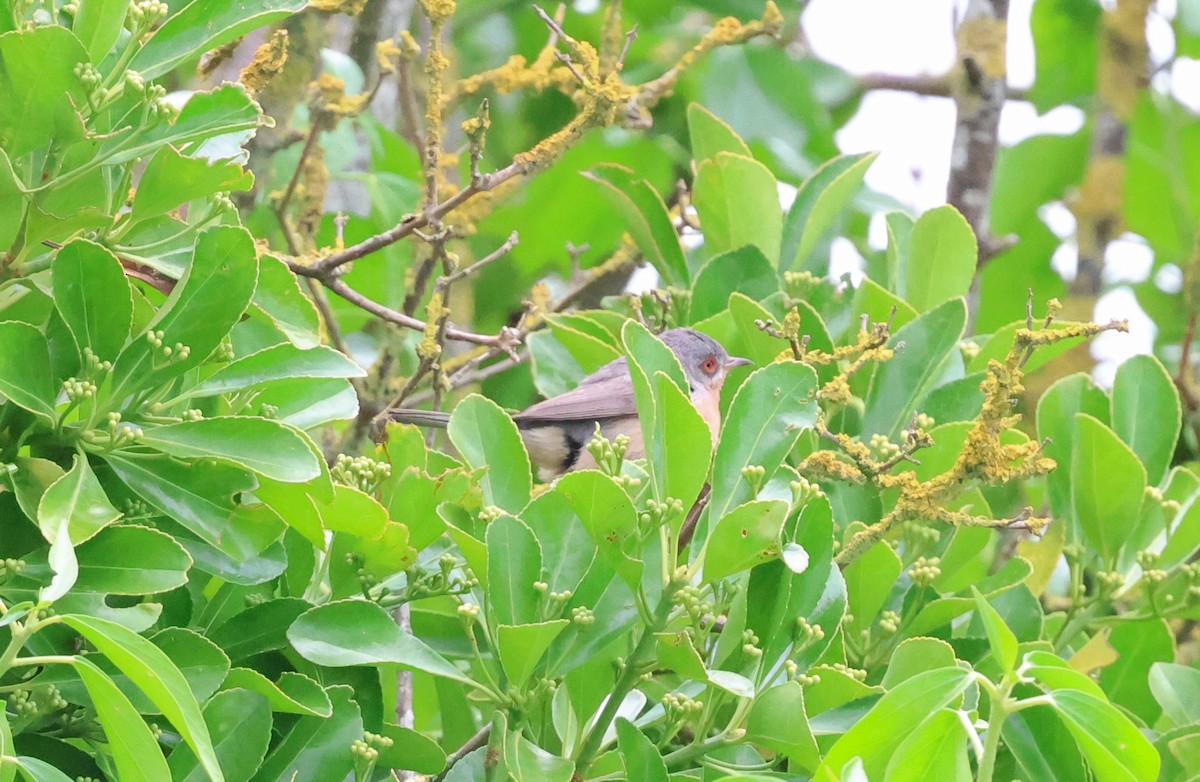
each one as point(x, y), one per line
point(914, 134)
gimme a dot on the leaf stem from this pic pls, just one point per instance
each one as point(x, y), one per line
point(1002, 705)
point(625, 683)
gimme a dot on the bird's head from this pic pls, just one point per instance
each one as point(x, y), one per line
point(705, 361)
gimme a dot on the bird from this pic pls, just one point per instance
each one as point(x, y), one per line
point(557, 430)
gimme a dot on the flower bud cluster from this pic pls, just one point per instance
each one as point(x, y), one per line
point(361, 472)
point(609, 454)
point(925, 570)
point(678, 705)
point(78, 390)
point(367, 748)
point(755, 475)
point(144, 14)
point(658, 513)
point(884, 447)
point(176, 352)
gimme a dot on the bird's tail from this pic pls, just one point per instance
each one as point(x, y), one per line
point(431, 418)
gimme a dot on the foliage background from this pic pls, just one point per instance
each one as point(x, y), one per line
point(200, 535)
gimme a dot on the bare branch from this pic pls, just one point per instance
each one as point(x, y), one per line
point(499, 252)
point(338, 286)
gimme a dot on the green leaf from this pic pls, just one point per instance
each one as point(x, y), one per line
point(411, 750)
point(1114, 747)
point(607, 514)
point(152, 671)
point(277, 362)
point(1108, 483)
point(640, 757)
point(877, 736)
point(202, 308)
point(1140, 645)
point(226, 109)
point(1057, 427)
point(682, 442)
point(309, 403)
point(744, 537)
point(818, 204)
point(203, 497)
point(998, 347)
point(744, 270)
point(738, 201)
point(1034, 172)
point(527, 762)
point(78, 501)
point(1177, 690)
point(1146, 413)
point(710, 135)
point(778, 721)
point(1000, 638)
point(239, 722)
point(645, 215)
point(171, 179)
point(37, 770)
point(291, 310)
point(1066, 35)
point(521, 646)
point(937, 749)
point(768, 414)
point(899, 385)
point(259, 628)
point(486, 436)
point(941, 259)
point(869, 582)
point(135, 752)
point(93, 297)
point(25, 377)
point(899, 234)
point(917, 655)
point(131, 560)
point(12, 203)
point(37, 81)
point(316, 749)
point(514, 564)
point(294, 693)
point(98, 25)
point(206, 24)
point(270, 448)
point(677, 653)
point(63, 563)
point(355, 632)
point(7, 772)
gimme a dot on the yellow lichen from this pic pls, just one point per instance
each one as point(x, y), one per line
point(983, 38)
point(348, 7)
point(435, 311)
point(387, 55)
point(438, 11)
point(268, 62)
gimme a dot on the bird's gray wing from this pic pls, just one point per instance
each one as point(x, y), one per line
point(607, 393)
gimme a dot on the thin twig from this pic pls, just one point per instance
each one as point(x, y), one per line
point(499, 252)
point(400, 319)
point(475, 742)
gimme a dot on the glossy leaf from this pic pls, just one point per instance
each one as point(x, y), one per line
point(135, 752)
point(1107, 483)
point(710, 135)
point(155, 675)
point(278, 362)
point(744, 537)
point(521, 646)
point(92, 296)
point(640, 757)
point(202, 308)
point(941, 260)
point(486, 437)
point(779, 722)
point(1114, 747)
point(25, 377)
point(294, 693)
point(1057, 427)
point(869, 580)
point(201, 497)
point(259, 628)
point(738, 201)
point(1146, 413)
point(646, 219)
point(201, 26)
point(280, 298)
point(354, 632)
point(239, 722)
point(1000, 637)
point(745, 270)
point(876, 737)
point(937, 749)
point(770, 411)
point(98, 24)
point(172, 179)
point(131, 560)
point(267, 447)
point(819, 202)
point(1140, 645)
point(900, 384)
point(315, 749)
point(514, 565)
point(36, 81)
point(1177, 690)
point(78, 501)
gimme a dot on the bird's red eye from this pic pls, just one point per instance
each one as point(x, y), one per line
point(709, 365)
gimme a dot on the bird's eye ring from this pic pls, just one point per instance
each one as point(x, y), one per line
point(709, 365)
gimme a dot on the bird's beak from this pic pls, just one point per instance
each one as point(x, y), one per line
point(736, 361)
